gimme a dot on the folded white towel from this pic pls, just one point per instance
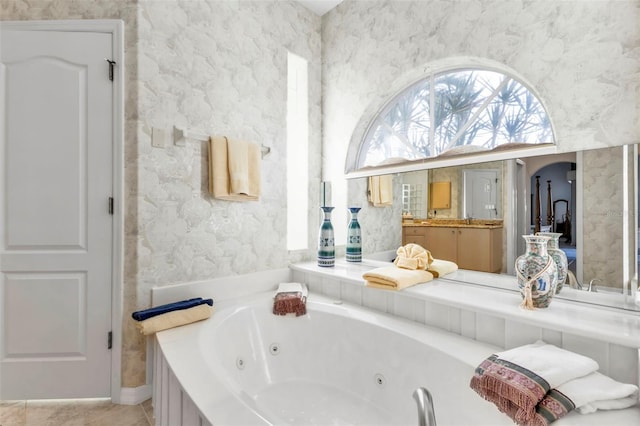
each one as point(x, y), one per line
point(553, 364)
point(394, 278)
point(293, 288)
point(596, 391)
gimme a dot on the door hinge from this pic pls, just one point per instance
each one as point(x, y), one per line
point(111, 65)
point(110, 340)
point(110, 205)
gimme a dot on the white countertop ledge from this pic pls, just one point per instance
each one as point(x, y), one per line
point(467, 290)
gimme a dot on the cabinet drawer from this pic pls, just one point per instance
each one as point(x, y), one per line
point(415, 230)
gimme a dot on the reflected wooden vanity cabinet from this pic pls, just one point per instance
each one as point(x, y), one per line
point(443, 243)
point(478, 249)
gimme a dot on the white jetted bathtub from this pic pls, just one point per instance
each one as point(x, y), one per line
point(338, 365)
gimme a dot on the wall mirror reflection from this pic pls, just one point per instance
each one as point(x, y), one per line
point(589, 196)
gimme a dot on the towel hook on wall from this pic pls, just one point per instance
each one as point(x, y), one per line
point(180, 137)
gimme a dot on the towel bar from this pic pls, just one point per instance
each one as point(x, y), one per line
point(180, 137)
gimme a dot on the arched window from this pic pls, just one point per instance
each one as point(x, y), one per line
point(455, 112)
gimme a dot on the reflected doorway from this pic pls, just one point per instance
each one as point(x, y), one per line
point(480, 194)
point(553, 205)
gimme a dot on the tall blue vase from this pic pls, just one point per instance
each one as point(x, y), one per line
point(326, 244)
point(354, 237)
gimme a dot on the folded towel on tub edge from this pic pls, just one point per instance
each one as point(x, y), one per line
point(175, 306)
point(517, 380)
point(439, 267)
point(394, 278)
point(174, 319)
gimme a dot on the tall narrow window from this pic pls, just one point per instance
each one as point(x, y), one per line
point(297, 153)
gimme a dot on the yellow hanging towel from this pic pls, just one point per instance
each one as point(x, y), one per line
point(234, 169)
point(380, 192)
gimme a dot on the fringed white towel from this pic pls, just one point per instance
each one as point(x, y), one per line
point(518, 379)
point(290, 298)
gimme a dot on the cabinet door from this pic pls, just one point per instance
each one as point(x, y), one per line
point(442, 243)
point(415, 239)
point(474, 249)
point(496, 250)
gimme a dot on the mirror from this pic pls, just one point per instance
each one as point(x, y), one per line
point(596, 210)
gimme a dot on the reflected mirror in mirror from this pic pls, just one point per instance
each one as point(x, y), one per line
point(476, 191)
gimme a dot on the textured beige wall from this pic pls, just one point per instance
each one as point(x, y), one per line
point(219, 67)
point(602, 216)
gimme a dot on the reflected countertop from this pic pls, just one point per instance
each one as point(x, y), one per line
point(455, 223)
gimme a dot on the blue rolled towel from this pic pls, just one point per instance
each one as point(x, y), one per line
point(175, 306)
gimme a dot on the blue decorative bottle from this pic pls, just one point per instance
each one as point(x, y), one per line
point(326, 244)
point(354, 237)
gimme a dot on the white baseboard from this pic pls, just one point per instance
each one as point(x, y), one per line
point(133, 396)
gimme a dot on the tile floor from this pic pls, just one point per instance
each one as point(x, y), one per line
point(74, 413)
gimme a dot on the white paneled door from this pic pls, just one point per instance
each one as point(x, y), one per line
point(56, 154)
point(480, 194)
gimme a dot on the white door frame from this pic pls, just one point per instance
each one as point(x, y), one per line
point(466, 175)
point(115, 27)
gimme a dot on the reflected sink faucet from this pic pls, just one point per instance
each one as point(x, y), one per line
point(592, 285)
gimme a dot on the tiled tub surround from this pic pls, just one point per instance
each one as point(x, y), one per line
point(490, 315)
point(448, 309)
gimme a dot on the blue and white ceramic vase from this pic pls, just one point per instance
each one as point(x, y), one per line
point(326, 244)
point(559, 256)
point(537, 272)
point(354, 237)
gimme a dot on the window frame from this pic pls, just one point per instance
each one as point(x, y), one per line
point(371, 116)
